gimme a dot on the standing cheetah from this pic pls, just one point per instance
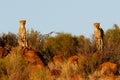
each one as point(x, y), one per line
point(22, 34)
point(98, 35)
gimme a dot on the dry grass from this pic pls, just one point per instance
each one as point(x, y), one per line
point(77, 67)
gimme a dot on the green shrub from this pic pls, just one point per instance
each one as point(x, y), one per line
point(112, 45)
point(112, 37)
point(61, 44)
point(9, 39)
point(34, 40)
point(83, 45)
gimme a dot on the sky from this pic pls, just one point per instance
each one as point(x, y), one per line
point(69, 16)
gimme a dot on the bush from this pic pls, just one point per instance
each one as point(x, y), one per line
point(62, 44)
point(34, 40)
point(3, 71)
point(83, 45)
point(112, 37)
point(112, 45)
point(9, 39)
point(14, 67)
point(37, 41)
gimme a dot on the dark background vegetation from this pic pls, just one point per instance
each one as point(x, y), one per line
point(67, 45)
